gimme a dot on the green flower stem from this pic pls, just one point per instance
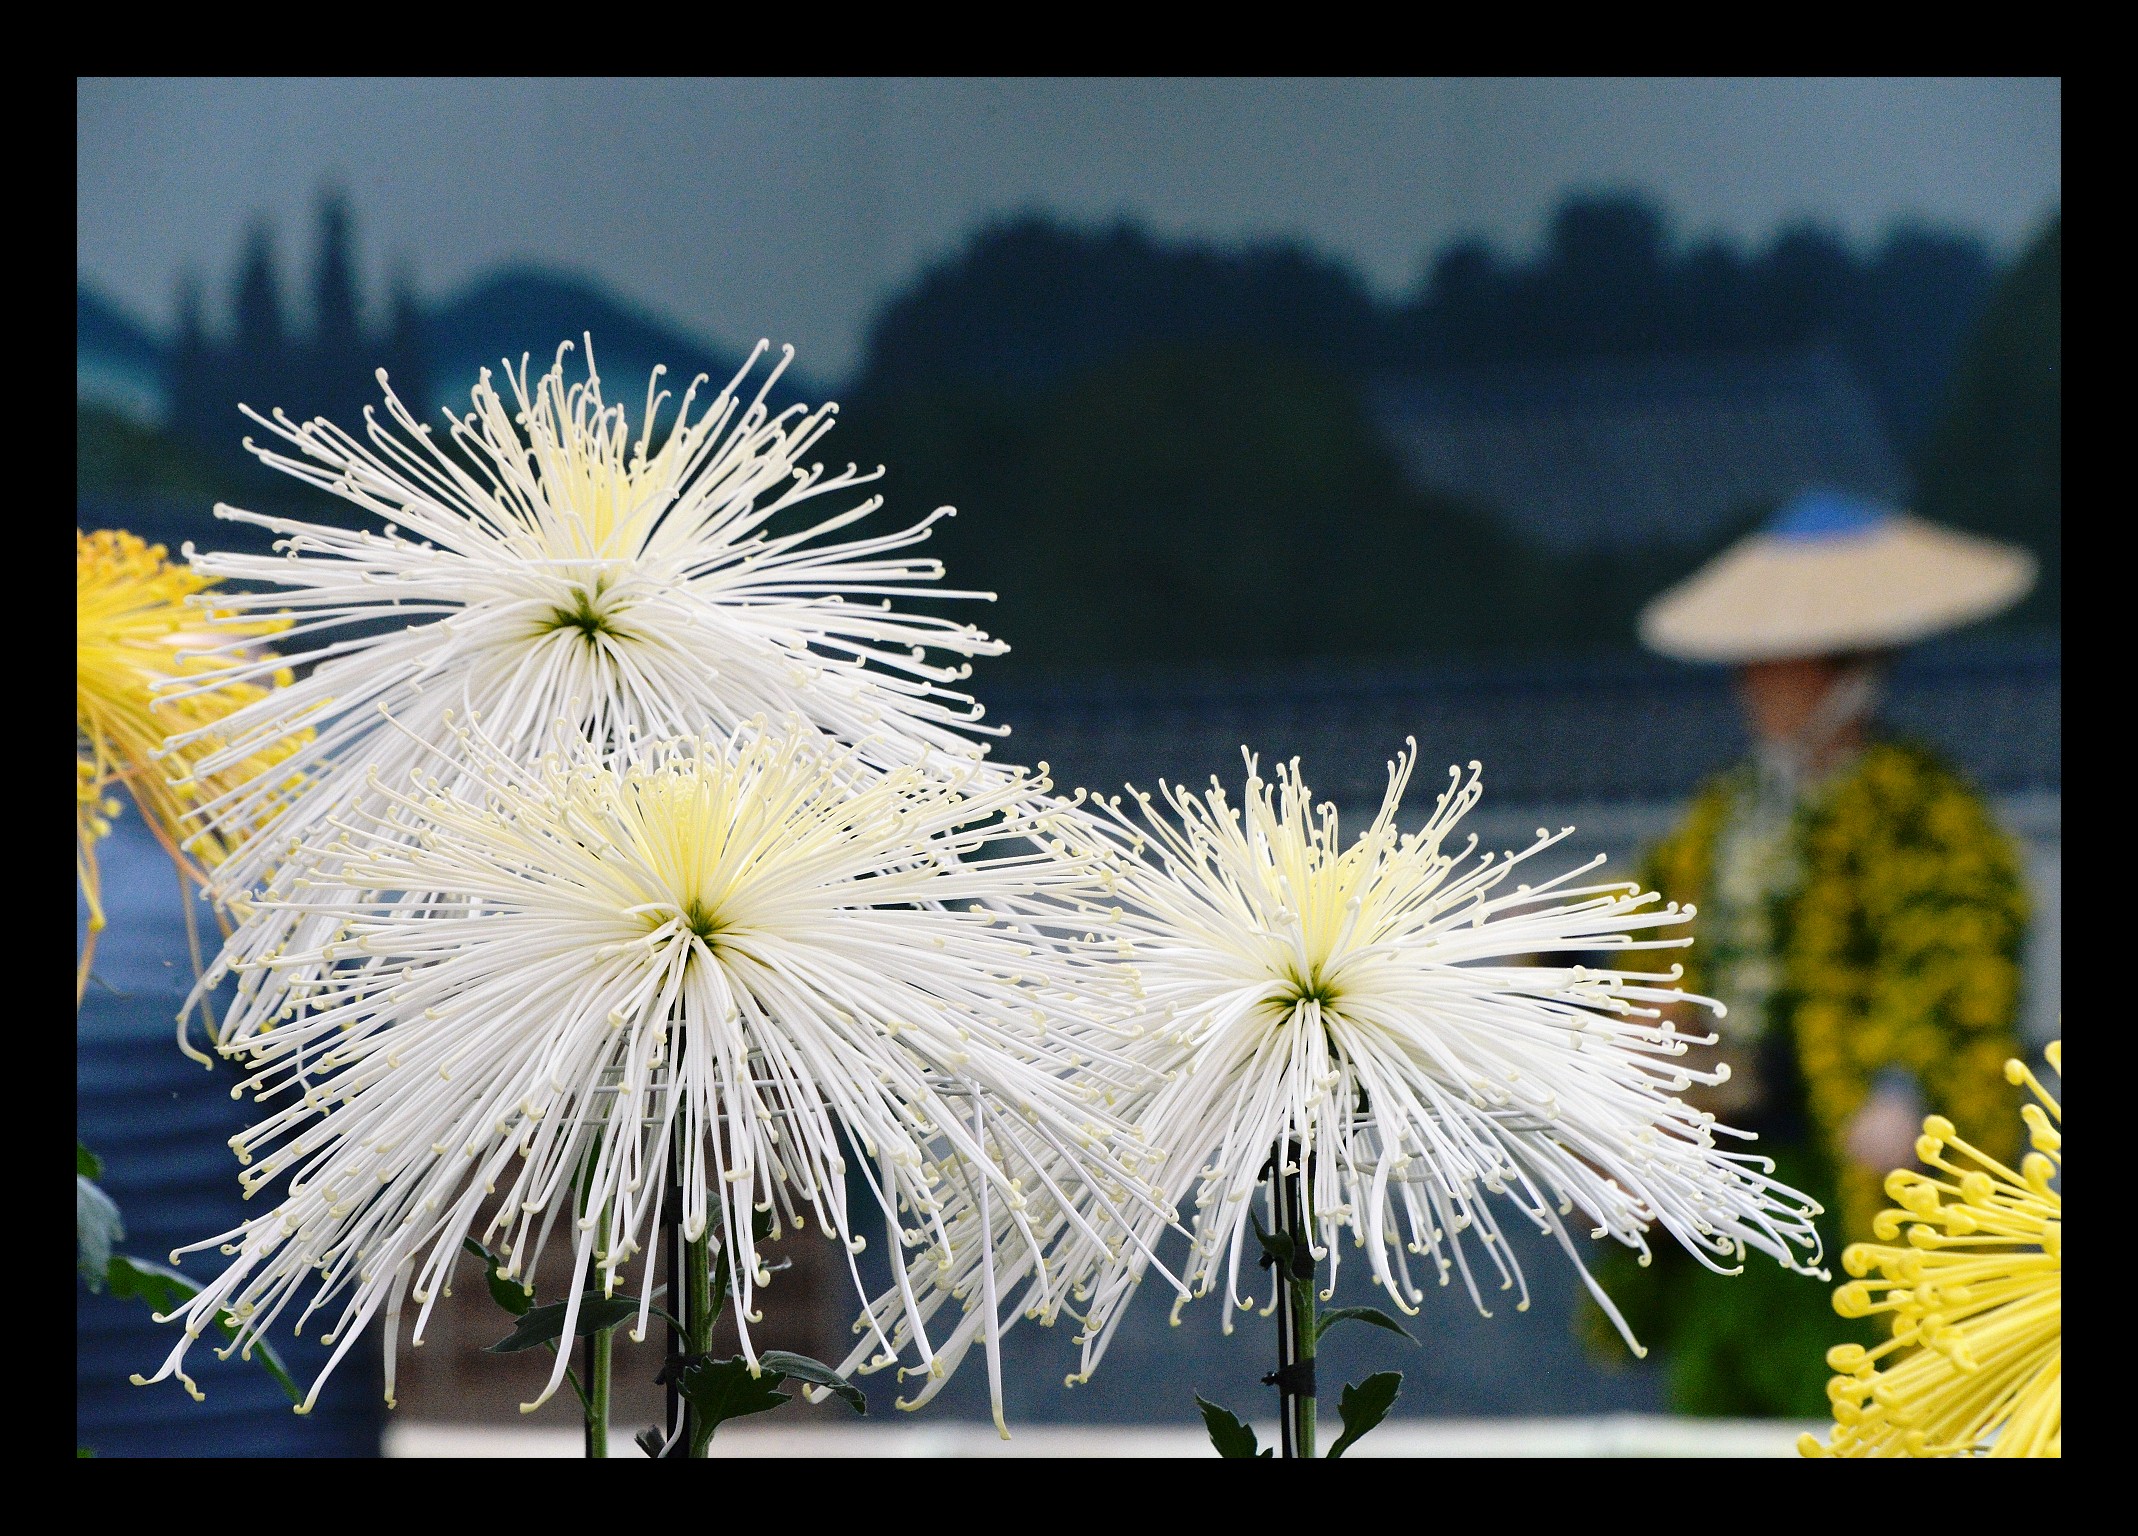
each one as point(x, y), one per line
point(598, 1355)
point(1303, 1310)
point(672, 1255)
point(1296, 1313)
point(600, 1348)
point(698, 1328)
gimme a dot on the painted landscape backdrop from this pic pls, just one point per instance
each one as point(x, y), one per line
point(1239, 455)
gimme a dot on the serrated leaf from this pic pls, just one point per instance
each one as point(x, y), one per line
point(509, 1294)
point(816, 1373)
point(87, 1165)
point(545, 1324)
point(1234, 1440)
point(165, 1290)
point(96, 1228)
point(1363, 1406)
point(1373, 1315)
point(719, 1390)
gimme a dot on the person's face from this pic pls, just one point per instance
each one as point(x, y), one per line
point(1779, 696)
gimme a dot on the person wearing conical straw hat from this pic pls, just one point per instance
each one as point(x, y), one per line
point(1861, 916)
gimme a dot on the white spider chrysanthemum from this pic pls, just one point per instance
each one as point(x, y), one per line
point(1372, 1007)
point(1000, 1262)
point(741, 947)
point(547, 564)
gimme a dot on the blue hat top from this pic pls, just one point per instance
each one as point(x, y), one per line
point(1820, 515)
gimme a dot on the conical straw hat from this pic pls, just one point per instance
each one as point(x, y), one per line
point(1833, 573)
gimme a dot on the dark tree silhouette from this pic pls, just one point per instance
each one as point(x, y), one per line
point(1029, 303)
point(339, 383)
point(327, 371)
point(193, 365)
point(404, 357)
point(256, 302)
point(1996, 463)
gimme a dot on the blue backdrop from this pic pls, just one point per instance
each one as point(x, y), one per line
point(161, 1124)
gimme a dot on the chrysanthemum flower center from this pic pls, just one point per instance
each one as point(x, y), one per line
point(706, 925)
point(705, 844)
point(1314, 987)
point(586, 612)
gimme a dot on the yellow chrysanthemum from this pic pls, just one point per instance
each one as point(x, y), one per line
point(133, 630)
point(1977, 1298)
point(93, 810)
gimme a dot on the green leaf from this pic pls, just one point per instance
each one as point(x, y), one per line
point(96, 1227)
point(724, 1389)
point(165, 1290)
point(509, 1294)
point(136, 1279)
point(1233, 1439)
point(1364, 1406)
point(87, 1165)
point(1287, 1253)
point(545, 1324)
point(1373, 1315)
point(816, 1373)
point(718, 1290)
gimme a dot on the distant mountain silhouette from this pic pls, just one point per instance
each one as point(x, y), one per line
point(530, 310)
point(102, 329)
point(118, 362)
point(514, 311)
